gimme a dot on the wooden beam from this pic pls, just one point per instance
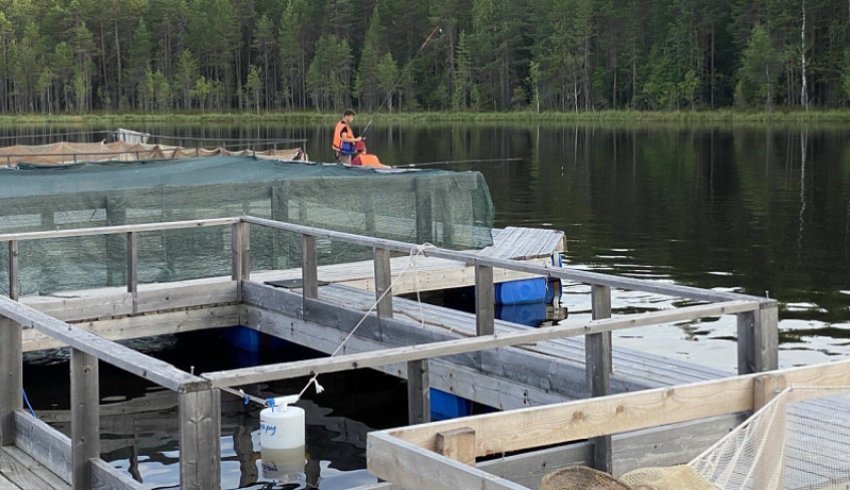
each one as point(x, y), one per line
point(560, 423)
point(110, 230)
point(383, 282)
point(11, 378)
point(48, 446)
point(104, 476)
point(271, 372)
point(457, 444)
point(568, 274)
point(485, 298)
point(409, 466)
point(599, 365)
point(200, 434)
point(129, 360)
point(235, 251)
point(418, 392)
point(85, 416)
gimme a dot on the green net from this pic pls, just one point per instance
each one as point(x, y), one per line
point(448, 209)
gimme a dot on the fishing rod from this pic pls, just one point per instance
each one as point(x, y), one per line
point(400, 75)
point(448, 162)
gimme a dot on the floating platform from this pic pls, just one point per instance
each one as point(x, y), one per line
point(495, 363)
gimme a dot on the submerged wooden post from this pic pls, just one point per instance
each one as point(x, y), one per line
point(485, 299)
point(14, 280)
point(85, 416)
point(597, 348)
point(383, 282)
point(11, 378)
point(200, 433)
point(758, 339)
point(418, 392)
point(309, 267)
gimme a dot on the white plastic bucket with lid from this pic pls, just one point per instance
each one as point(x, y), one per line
point(281, 425)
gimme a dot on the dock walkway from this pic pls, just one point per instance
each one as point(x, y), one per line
point(19, 471)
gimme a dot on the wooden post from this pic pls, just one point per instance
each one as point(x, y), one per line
point(485, 299)
point(309, 269)
point(240, 255)
point(132, 264)
point(200, 433)
point(758, 339)
point(383, 282)
point(11, 378)
point(14, 280)
point(85, 416)
point(418, 392)
point(597, 349)
point(458, 444)
point(770, 454)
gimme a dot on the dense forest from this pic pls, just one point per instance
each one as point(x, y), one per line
point(78, 56)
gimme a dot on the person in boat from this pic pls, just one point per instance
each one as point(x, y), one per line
point(364, 158)
point(344, 139)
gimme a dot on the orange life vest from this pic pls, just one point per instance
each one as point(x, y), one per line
point(368, 160)
point(341, 127)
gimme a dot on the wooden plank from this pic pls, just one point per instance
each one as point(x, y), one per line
point(133, 327)
point(200, 434)
point(418, 392)
point(235, 251)
point(85, 416)
point(409, 466)
point(74, 306)
point(25, 472)
point(485, 298)
point(43, 443)
point(6, 484)
point(109, 230)
point(457, 444)
point(383, 282)
point(261, 374)
point(556, 424)
point(758, 340)
point(11, 378)
point(105, 477)
point(147, 367)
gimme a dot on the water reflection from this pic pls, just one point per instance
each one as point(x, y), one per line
point(761, 209)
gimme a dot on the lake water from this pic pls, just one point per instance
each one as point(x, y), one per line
point(755, 209)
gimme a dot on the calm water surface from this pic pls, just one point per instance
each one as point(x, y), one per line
point(755, 209)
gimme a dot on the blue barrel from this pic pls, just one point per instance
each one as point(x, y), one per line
point(447, 406)
point(531, 314)
point(521, 291)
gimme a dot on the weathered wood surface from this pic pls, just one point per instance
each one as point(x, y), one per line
point(85, 414)
point(11, 378)
point(44, 444)
point(24, 472)
point(200, 439)
point(410, 466)
point(520, 243)
point(105, 477)
point(147, 367)
point(110, 230)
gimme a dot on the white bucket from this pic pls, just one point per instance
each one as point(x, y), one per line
point(282, 426)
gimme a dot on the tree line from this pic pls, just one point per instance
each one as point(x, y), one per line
point(77, 56)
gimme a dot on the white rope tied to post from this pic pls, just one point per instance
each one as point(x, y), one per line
point(414, 252)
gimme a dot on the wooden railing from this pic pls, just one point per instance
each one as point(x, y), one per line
point(199, 395)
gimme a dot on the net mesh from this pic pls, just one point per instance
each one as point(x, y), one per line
point(800, 440)
point(448, 209)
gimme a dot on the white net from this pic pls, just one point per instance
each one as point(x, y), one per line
point(800, 440)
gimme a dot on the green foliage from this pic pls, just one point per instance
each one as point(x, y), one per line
point(547, 55)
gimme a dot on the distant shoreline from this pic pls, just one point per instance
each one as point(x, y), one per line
point(707, 116)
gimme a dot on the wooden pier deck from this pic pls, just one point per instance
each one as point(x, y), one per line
point(18, 470)
point(474, 355)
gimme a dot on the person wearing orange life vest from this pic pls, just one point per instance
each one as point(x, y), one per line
point(364, 158)
point(344, 139)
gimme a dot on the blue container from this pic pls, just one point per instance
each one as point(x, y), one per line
point(522, 291)
point(250, 340)
point(531, 314)
point(447, 406)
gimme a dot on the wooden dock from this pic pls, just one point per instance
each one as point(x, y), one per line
point(474, 355)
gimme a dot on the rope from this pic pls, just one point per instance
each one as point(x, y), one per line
point(27, 402)
point(418, 250)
